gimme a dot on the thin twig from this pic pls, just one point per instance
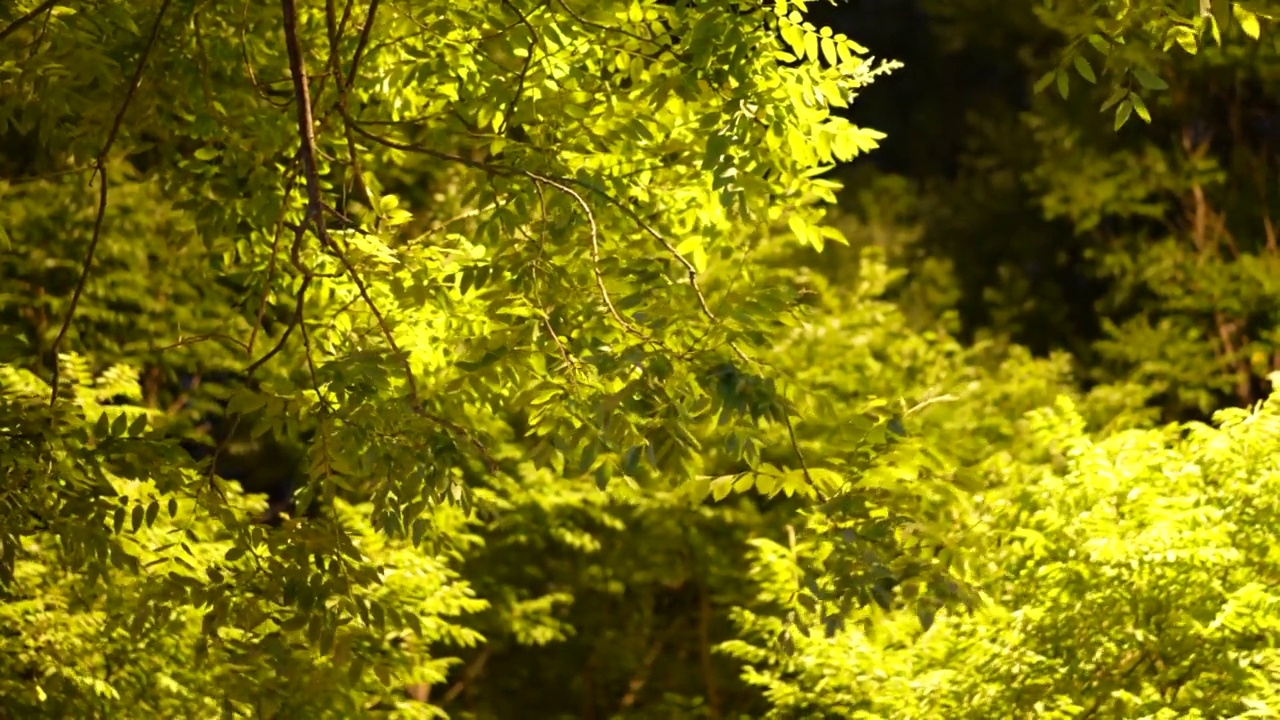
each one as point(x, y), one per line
point(595, 245)
point(690, 270)
point(620, 31)
point(193, 339)
point(501, 170)
point(325, 407)
point(543, 313)
point(946, 397)
point(642, 676)
point(288, 330)
point(13, 26)
point(363, 289)
point(202, 59)
point(290, 178)
point(335, 38)
point(44, 30)
point(795, 446)
point(524, 69)
point(32, 179)
point(563, 183)
point(467, 214)
point(342, 24)
point(248, 63)
point(362, 44)
point(469, 675)
point(100, 172)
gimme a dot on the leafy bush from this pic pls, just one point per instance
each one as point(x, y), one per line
point(1132, 575)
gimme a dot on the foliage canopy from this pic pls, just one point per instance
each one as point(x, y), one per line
point(501, 359)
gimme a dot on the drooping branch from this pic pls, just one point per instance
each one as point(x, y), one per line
point(294, 321)
point(314, 221)
point(100, 172)
point(690, 270)
point(290, 179)
point(595, 247)
point(335, 67)
point(563, 184)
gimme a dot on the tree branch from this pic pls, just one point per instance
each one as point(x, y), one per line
point(363, 43)
point(315, 220)
point(335, 66)
point(469, 675)
point(100, 172)
point(35, 13)
point(595, 247)
point(524, 69)
point(306, 124)
point(641, 677)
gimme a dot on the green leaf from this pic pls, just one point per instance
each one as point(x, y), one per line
point(1085, 70)
point(1045, 81)
point(245, 401)
point(1116, 96)
point(356, 670)
point(811, 46)
point(1213, 28)
point(698, 489)
point(1185, 38)
point(829, 51)
point(1064, 84)
point(1248, 21)
point(1140, 107)
point(794, 37)
point(1122, 113)
point(721, 487)
point(1149, 80)
point(800, 228)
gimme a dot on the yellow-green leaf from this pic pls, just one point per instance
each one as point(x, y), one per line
point(1248, 21)
point(1140, 107)
point(1085, 70)
point(1122, 113)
